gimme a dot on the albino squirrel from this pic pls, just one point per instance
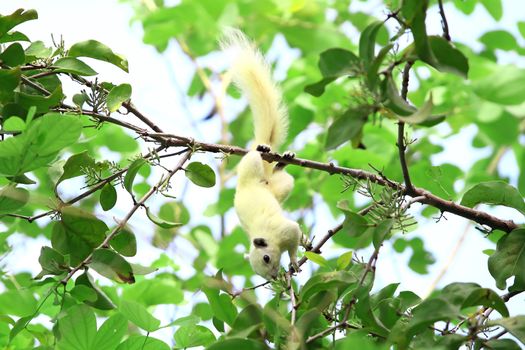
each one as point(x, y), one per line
point(262, 186)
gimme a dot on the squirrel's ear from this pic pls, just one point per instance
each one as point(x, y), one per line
point(260, 243)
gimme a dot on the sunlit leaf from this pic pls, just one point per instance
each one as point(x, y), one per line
point(73, 65)
point(118, 95)
point(200, 174)
point(194, 335)
point(98, 51)
point(495, 193)
point(138, 314)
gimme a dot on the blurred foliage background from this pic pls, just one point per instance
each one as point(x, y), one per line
point(78, 156)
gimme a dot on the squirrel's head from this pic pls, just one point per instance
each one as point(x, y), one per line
point(265, 258)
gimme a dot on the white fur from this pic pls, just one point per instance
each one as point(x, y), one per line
point(261, 187)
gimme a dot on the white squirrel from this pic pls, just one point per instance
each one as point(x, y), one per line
point(262, 186)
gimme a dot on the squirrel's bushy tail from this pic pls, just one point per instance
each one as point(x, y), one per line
point(251, 73)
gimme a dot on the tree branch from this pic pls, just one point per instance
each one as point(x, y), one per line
point(425, 197)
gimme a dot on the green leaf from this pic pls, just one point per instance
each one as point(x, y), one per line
point(504, 85)
point(155, 291)
point(420, 259)
point(502, 344)
point(337, 62)
point(75, 164)
point(515, 325)
point(14, 124)
point(221, 305)
point(117, 96)
point(140, 342)
point(447, 57)
point(124, 242)
point(21, 179)
point(41, 102)
point(509, 259)
point(236, 343)
point(160, 222)
point(317, 258)
point(488, 298)
point(110, 333)
point(77, 328)
point(102, 302)
point(415, 11)
point(12, 198)
point(112, 265)
point(499, 39)
point(200, 174)
point(77, 234)
point(495, 193)
point(83, 293)
point(52, 261)
point(98, 51)
point(13, 55)
point(326, 281)
point(494, 7)
point(521, 28)
point(317, 89)
point(194, 335)
point(344, 260)
point(13, 36)
point(430, 311)
point(108, 197)
point(142, 270)
point(132, 172)
point(394, 101)
point(39, 143)
point(138, 314)
point(367, 42)
point(74, 66)
point(9, 80)
point(346, 127)
point(421, 115)
point(373, 68)
point(333, 63)
point(19, 326)
point(18, 302)
point(37, 49)
point(19, 16)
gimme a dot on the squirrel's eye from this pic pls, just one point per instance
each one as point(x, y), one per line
point(266, 259)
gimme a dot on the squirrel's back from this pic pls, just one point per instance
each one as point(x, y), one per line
point(252, 74)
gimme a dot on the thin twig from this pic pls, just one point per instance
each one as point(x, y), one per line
point(292, 297)
point(401, 142)
point(444, 23)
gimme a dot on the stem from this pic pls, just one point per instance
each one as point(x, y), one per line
point(444, 23)
point(401, 142)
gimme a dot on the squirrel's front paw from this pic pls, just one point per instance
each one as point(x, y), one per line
point(294, 266)
point(306, 243)
point(288, 155)
point(263, 148)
